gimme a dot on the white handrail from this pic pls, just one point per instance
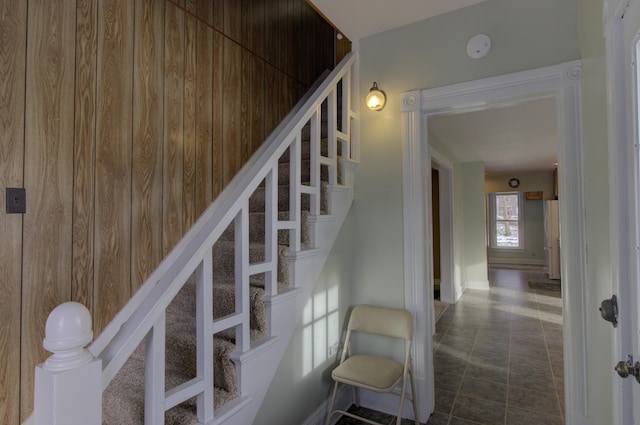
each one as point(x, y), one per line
point(143, 316)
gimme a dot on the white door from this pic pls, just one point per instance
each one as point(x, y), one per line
point(623, 53)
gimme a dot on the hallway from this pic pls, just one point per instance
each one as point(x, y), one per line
point(498, 355)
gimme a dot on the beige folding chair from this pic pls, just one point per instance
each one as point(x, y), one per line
point(376, 373)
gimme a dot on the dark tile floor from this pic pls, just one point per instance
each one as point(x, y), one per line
point(498, 356)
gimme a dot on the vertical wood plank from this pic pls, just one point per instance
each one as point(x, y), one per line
point(113, 159)
point(283, 35)
point(13, 38)
point(218, 14)
point(310, 53)
point(174, 126)
point(218, 112)
point(146, 178)
point(82, 279)
point(204, 119)
point(253, 26)
point(191, 6)
point(272, 36)
point(232, 130)
point(205, 11)
point(272, 92)
point(298, 38)
point(233, 20)
point(245, 99)
point(48, 177)
point(189, 150)
point(257, 103)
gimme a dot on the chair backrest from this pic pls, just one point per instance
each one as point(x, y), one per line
point(391, 322)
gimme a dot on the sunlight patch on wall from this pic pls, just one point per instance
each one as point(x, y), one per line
point(321, 333)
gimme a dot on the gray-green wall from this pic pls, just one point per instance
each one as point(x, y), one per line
point(368, 257)
point(429, 54)
point(294, 396)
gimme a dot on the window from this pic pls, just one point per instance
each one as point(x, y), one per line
point(505, 220)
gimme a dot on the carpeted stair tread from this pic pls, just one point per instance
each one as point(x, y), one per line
point(257, 228)
point(224, 270)
point(123, 400)
point(257, 201)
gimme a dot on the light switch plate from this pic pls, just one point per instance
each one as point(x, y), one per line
point(16, 200)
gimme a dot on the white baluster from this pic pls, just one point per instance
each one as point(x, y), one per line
point(68, 387)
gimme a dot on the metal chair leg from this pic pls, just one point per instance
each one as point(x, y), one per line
point(333, 400)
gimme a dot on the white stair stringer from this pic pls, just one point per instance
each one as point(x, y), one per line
point(306, 266)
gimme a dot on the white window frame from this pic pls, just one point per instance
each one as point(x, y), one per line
point(493, 240)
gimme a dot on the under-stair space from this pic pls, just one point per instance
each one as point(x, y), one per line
point(187, 349)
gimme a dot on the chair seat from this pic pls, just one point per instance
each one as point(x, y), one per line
point(370, 372)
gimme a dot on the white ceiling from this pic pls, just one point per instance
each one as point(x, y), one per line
point(521, 137)
point(360, 18)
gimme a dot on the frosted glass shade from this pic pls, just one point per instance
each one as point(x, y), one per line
point(375, 99)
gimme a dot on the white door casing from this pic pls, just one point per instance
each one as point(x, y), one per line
point(561, 82)
point(621, 30)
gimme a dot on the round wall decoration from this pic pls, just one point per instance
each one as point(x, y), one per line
point(514, 182)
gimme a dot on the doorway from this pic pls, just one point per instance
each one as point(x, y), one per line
point(562, 82)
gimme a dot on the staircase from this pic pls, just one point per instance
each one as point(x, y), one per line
point(203, 337)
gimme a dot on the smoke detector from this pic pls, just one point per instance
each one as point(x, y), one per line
point(478, 46)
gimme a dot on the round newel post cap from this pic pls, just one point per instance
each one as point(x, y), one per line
point(67, 331)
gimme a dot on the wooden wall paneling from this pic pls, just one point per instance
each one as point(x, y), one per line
point(283, 96)
point(191, 6)
point(245, 109)
point(189, 150)
point(13, 38)
point(233, 20)
point(299, 37)
point(174, 126)
point(271, 93)
point(204, 119)
point(257, 104)
point(343, 48)
point(272, 36)
point(322, 49)
point(311, 49)
point(253, 14)
point(82, 279)
point(146, 184)
point(218, 113)
point(283, 35)
point(231, 133)
point(218, 14)
point(114, 130)
point(205, 11)
point(48, 177)
point(328, 43)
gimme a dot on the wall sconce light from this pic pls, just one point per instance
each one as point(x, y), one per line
point(376, 98)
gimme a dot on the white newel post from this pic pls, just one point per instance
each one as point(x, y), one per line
point(68, 387)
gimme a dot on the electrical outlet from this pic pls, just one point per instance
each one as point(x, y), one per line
point(16, 200)
point(333, 349)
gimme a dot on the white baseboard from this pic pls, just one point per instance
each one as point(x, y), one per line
point(516, 261)
point(344, 399)
point(477, 284)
